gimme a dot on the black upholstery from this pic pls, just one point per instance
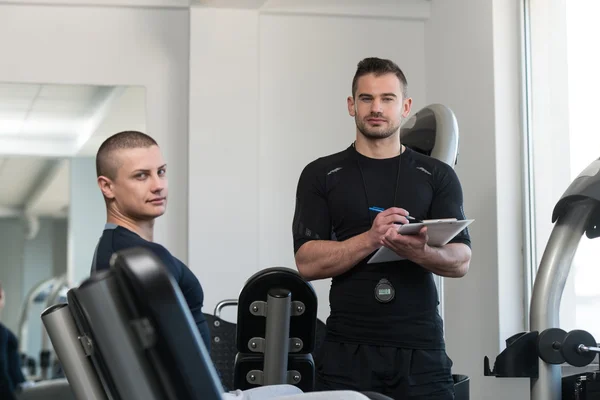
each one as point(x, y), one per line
point(141, 298)
point(222, 348)
point(461, 387)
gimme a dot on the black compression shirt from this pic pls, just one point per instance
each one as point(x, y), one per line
point(116, 238)
point(332, 203)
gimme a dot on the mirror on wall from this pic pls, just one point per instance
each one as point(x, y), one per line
point(51, 211)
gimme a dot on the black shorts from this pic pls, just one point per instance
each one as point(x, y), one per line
point(395, 372)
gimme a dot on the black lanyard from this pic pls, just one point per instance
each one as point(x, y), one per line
point(365, 185)
point(384, 290)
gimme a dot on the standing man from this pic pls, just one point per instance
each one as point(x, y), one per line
point(384, 332)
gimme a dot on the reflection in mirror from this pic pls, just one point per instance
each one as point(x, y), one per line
point(51, 210)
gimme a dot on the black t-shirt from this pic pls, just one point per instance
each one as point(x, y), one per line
point(332, 203)
point(116, 238)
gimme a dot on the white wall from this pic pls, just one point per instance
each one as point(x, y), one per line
point(272, 99)
point(472, 66)
point(113, 46)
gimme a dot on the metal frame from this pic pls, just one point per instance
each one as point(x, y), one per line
point(530, 257)
point(547, 292)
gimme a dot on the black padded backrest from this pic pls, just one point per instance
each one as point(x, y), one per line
point(180, 352)
point(257, 288)
point(222, 348)
point(121, 338)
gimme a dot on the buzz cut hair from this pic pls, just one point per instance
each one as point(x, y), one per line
point(106, 163)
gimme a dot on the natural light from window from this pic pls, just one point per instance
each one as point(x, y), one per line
point(583, 60)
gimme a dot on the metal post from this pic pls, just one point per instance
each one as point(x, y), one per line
point(548, 289)
point(45, 358)
point(277, 334)
point(63, 334)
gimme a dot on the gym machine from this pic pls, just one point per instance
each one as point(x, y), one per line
point(127, 333)
point(539, 353)
point(433, 131)
point(276, 328)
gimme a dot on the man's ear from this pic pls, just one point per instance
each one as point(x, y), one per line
point(106, 186)
point(351, 109)
point(406, 106)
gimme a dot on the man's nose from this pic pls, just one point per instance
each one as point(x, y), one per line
point(158, 184)
point(376, 106)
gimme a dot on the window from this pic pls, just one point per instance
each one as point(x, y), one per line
point(563, 126)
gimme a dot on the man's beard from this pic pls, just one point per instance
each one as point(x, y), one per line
point(376, 133)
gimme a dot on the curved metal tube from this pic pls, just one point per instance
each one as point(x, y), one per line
point(24, 317)
point(548, 289)
point(222, 304)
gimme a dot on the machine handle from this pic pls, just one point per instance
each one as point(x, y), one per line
point(222, 304)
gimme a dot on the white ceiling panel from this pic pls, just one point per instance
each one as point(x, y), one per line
point(55, 121)
point(36, 114)
point(17, 176)
point(8, 104)
point(69, 93)
point(127, 113)
point(10, 126)
point(6, 115)
point(18, 91)
point(43, 124)
point(60, 106)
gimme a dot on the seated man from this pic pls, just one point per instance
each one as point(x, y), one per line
point(11, 375)
point(132, 177)
point(131, 174)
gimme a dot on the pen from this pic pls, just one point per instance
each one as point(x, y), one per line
point(408, 217)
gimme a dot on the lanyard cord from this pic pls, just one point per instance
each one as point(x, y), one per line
point(365, 185)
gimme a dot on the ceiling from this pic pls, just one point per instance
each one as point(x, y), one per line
point(42, 126)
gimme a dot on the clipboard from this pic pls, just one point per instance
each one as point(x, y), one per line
point(440, 232)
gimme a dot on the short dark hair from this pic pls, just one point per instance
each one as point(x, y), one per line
point(105, 163)
point(379, 66)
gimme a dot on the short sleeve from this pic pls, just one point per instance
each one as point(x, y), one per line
point(312, 220)
point(448, 201)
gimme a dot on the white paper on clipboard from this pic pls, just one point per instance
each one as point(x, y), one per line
point(440, 232)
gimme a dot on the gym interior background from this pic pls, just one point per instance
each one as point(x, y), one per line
point(241, 94)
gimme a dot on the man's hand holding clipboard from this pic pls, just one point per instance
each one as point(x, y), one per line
point(407, 241)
